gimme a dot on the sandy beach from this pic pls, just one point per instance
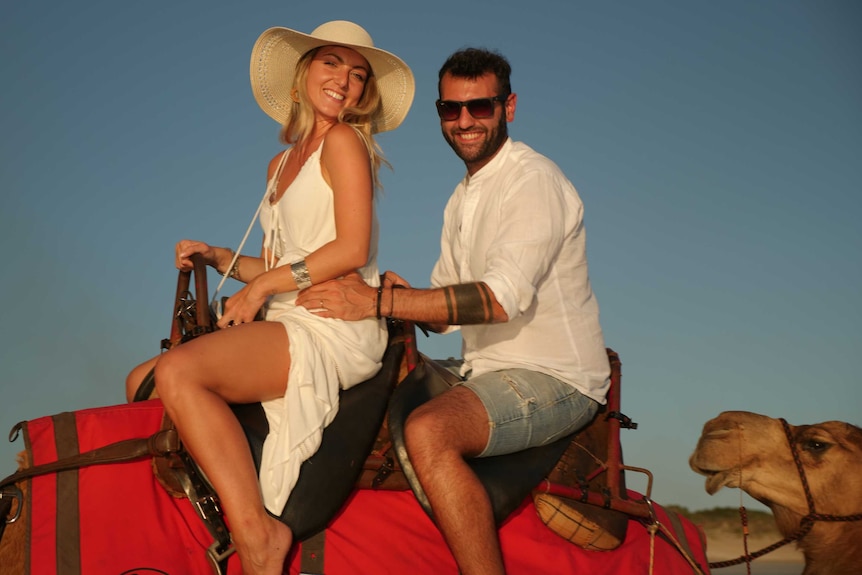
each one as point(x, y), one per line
point(723, 546)
point(761, 567)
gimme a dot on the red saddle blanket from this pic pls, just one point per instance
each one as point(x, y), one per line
point(117, 519)
point(388, 533)
point(107, 519)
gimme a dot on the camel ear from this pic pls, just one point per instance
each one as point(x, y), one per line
point(23, 460)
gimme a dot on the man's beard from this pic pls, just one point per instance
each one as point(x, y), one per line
point(496, 136)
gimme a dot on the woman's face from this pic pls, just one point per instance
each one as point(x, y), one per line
point(336, 80)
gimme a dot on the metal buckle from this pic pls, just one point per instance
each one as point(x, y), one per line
point(217, 559)
point(14, 492)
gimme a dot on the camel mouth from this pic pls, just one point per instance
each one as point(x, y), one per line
point(704, 461)
point(716, 477)
point(715, 480)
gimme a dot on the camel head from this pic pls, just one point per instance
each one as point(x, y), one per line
point(752, 452)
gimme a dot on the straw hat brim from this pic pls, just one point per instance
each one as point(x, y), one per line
point(277, 51)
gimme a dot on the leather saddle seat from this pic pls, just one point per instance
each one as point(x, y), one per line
point(328, 477)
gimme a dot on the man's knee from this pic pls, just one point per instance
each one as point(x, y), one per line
point(454, 422)
point(421, 428)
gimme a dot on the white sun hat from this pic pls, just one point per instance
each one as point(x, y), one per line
point(276, 52)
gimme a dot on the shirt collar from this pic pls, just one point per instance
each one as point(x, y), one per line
point(491, 166)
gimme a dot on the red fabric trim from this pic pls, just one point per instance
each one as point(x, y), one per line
point(43, 489)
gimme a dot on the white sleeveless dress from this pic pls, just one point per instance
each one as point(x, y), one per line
point(326, 354)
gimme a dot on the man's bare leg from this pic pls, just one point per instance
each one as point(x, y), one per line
point(439, 435)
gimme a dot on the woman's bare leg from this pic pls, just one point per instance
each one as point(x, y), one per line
point(196, 382)
point(136, 378)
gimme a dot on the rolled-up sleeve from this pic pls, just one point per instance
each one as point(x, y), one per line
point(529, 236)
point(445, 271)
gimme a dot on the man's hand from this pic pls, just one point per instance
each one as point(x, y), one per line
point(392, 279)
point(348, 298)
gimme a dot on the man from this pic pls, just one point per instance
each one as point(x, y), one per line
point(513, 277)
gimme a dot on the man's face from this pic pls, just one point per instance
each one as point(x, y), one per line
point(475, 140)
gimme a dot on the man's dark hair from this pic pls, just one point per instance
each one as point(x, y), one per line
point(475, 62)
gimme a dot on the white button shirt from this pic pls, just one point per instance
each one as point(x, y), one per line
point(517, 225)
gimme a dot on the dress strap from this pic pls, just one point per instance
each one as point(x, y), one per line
point(273, 182)
point(269, 186)
point(275, 221)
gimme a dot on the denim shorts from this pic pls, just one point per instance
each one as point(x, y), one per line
point(527, 408)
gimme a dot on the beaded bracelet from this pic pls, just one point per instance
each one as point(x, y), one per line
point(233, 272)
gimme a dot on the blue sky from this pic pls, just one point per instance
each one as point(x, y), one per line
point(716, 147)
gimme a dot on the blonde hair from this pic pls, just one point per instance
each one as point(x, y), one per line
point(362, 117)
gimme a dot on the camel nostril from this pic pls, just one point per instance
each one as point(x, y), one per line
point(717, 433)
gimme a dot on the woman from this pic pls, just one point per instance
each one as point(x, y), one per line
point(331, 90)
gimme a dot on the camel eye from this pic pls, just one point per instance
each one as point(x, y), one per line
point(815, 447)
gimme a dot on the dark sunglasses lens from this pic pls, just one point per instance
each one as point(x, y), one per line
point(483, 108)
point(448, 110)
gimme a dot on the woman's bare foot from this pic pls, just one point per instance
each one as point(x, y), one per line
point(263, 548)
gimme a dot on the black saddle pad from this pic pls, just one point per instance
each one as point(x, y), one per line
point(508, 479)
point(328, 477)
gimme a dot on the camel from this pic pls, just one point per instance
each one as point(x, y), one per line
point(751, 452)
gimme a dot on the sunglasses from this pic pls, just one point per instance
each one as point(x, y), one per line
point(479, 108)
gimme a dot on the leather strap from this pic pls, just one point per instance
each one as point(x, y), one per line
point(205, 503)
point(312, 554)
point(67, 517)
point(160, 443)
point(679, 531)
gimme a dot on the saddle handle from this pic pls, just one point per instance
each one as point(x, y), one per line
point(202, 315)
